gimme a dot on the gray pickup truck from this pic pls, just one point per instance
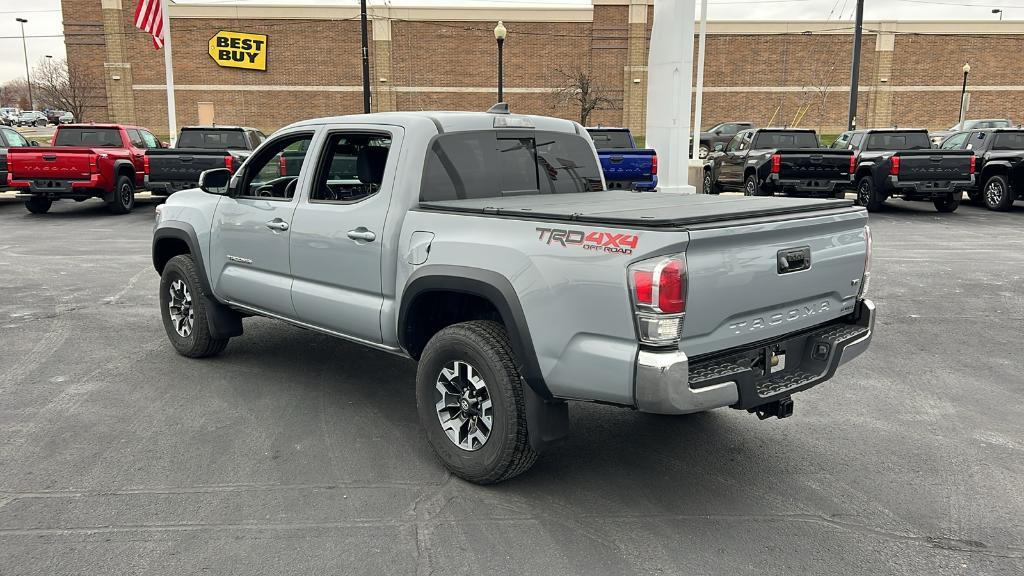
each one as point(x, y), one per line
point(486, 247)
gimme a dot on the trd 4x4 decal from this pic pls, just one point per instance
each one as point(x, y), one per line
point(610, 242)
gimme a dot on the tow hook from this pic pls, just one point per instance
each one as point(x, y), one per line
point(781, 408)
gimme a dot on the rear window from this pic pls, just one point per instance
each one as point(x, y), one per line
point(1008, 141)
point(489, 164)
point(898, 141)
point(797, 140)
point(611, 139)
point(87, 136)
point(214, 139)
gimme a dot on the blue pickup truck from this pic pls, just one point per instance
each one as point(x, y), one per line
point(625, 166)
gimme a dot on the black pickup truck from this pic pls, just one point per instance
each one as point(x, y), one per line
point(999, 164)
point(765, 161)
point(198, 148)
point(901, 163)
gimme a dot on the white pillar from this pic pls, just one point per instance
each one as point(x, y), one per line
point(669, 86)
point(698, 102)
point(172, 120)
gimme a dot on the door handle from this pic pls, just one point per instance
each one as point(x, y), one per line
point(362, 234)
point(277, 225)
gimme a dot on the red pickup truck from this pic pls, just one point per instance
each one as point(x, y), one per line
point(85, 161)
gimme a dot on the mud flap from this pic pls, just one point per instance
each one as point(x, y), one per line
point(547, 421)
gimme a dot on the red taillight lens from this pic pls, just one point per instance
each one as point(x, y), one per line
point(776, 163)
point(643, 286)
point(654, 165)
point(284, 166)
point(93, 162)
point(894, 166)
point(229, 163)
point(853, 165)
point(145, 165)
point(658, 288)
point(671, 297)
point(974, 160)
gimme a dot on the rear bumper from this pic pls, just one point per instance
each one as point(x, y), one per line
point(810, 186)
point(57, 188)
point(168, 187)
point(619, 184)
point(929, 187)
point(667, 382)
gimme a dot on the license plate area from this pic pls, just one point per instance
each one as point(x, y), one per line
point(50, 185)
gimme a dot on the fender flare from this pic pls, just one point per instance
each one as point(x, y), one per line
point(491, 286)
point(222, 320)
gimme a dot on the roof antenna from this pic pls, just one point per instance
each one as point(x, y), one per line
point(499, 108)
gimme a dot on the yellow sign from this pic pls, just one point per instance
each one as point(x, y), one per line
point(239, 50)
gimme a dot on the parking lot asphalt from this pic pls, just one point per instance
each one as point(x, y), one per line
point(293, 453)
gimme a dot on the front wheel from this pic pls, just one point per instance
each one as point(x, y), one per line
point(948, 204)
point(41, 123)
point(38, 204)
point(997, 194)
point(471, 402)
point(184, 310)
point(709, 183)
point(703, 151)
point(124, 196)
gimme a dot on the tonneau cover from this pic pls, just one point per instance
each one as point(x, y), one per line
point(653, 209)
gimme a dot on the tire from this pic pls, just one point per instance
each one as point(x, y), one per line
point(124, 196)
point(44, 123)
point(476, 353)
point(867, 194)
point(38, 204)
point(996, 193)
point(188, 331)
point(949, 203)
point(751, 187)
point(710, 186)
point(703, 151)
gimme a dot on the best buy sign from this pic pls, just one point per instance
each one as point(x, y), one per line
point(239, 50)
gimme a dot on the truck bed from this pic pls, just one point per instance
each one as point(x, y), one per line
point(622, 208)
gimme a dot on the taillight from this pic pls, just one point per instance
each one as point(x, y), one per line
point(853, 165)
point(284, 166)
point(145, 164)
point(866, 279)
point(776, 163)
point(894, 166)
point(974, 159)
point(93, 162)
point(658, 289)
point(654, 165)
point(229, 163)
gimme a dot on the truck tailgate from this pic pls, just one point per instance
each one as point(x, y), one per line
point(753, 282)
point(627, 164)
point(64, 162)
point(930, 165)
point(814, 164)
point(183, 165)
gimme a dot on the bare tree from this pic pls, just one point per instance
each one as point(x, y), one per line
point(579, 89)
point(12, 93)
point(61, 86)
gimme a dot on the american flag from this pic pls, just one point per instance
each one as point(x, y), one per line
point(149, 18)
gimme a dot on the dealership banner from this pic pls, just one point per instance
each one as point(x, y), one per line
point(239, 50)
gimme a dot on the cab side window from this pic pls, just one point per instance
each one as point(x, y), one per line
point(734, 144)
point(135, 138)
point(13, 138)
point(351, 167)
point(841, 142)
point(745, 139)
point(148, 140)
point(955, 142)
point(855, 140)
point(274, 173)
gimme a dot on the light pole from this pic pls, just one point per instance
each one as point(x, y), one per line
point(24, 48)
point(963, 93)
point(499, 34)
point(998, 11)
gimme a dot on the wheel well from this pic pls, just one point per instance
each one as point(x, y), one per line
point(432, 311)
point(862, 172)
point(125, 170)
point(167, 248)
point(992, 171)
point(748, 172)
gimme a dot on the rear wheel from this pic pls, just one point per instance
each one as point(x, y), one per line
point(997, 194)
point(471, 402)
point(184, 310)
point(867, 195)
point(38, 204)
point(948, 204)
point(40, 123)
point(124, 196)
point(751, 186)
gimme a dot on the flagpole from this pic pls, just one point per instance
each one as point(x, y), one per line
point(172, 121)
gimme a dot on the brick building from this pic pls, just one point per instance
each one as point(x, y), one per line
point(445, 58)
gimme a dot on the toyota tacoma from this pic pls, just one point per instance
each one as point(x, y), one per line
point(486, 247)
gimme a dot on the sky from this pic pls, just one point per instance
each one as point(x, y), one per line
point(44, 28)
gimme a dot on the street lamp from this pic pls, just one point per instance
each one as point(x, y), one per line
point(499, 34)
point(963, 93)
point(24, 48)
point(998, 11)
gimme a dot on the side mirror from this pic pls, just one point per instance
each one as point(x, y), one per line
point(719, 147)
point(33, 142)
point(215, 181)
